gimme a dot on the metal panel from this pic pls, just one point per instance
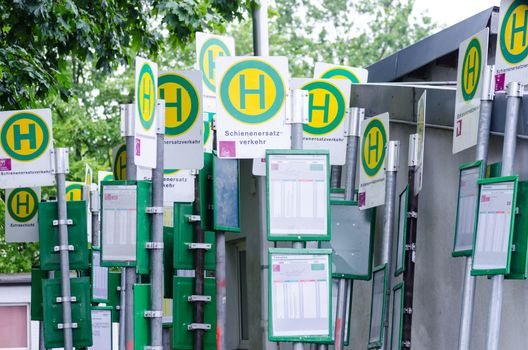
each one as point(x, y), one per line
point(49, 236)
point(141, 323)
point(519, 256)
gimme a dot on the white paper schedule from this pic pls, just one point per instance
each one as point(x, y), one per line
point(467, 208)
point(119, 223)
point(298, 194)
point(99, 277)
point(300, 295)
point(494, 226)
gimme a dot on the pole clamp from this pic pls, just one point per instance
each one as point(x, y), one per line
point(199, 298)
point(67, 325)
point(297, 106)
point(59, 248)
point(198, 246)
point(406, 344)
point(198, 326)
point(355, 117)
point(195, 172)
point(153, 314)
point(154, 245)
point(514, 89)
point(488, 86)
point(154, 210)
point(71, 299)
point(194, 218)
point(68, 222)
point(412, 214)
point(408, 310)
point(410, 247)
point(60, 163)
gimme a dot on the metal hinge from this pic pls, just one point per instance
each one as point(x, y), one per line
point(148, 347)
point(67, 325)
point(406, 344)
point(71, 299)
point(62, 222)
point(154, 210)
point(198, 326)
point(154, 245)
point(193, 218)
point(199, 298)
point(59, 248)
point(197, 246)
point(152, 314)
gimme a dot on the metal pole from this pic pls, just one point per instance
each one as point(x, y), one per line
point(199, 269)
point(156, 255)
point(94, 208)
point(335, 176)
point(221, 291)
point(468, 292)
point(514, 92)
point(61, 169)
point(410, 245)
point(391, 170)
point(130, 276)
point(356, 115)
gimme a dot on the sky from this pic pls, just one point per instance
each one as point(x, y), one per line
point(449, 12)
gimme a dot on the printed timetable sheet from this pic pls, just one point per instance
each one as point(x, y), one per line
point(493, 227)
point(298, 194)
point(300, 295)
point(467, 208)
point(119, 223)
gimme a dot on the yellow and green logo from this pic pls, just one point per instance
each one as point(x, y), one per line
point(341, 73)
point(22, 204)
point(252, 91)
point(109, 177)
point(25, 136)
point(471, 68)
point(326, 109)
point(74, 192)
point(373, 147)
point(182, 103)
point(514, 32)
point(210, 50)
point(207, 132)
point(146, 96)
point(119, 169)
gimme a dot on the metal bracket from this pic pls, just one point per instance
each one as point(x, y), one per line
point(413, 150)
point(297, 107)
point(152, 314)
point(154, 210)
point(213, 124)
point(514, 248)
point(392, 162)
point(199, 326)
point(95, 206)
point(412, 214)
point(71, 299)
point(488, 84)
point(514, 89)
point(127, 120)
point(193, 218)
point(355, 116)
point(160, 117)
point(67, 325)
point(68, 222)
point(197, 246)
point(411, 247)
point(199, 298)
point(516, 210)
point(195, 172)
point(154, 245)
point(408, 310)
point(59, 248)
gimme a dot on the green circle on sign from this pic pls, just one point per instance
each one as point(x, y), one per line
point(39, 150)
point(117, 169)
point(340, 114)
point(265, 68)
point(207, 45)
point(33, 197)
point(335, 72)
point(195, 102)
point(207, 132)
point(506, 53)
point(146, 121)
point(372, 171)
point(473, 44)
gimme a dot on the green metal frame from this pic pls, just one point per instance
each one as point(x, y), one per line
point(98, 300)
point(378, 344)
point(220, 227)
point(372, 234)
point(300, 237)
point(143, 225)
point(505, 270)
point(519, 258)
point(400, 270)
point(462, 167)
point(311, 339)
point(400, 328)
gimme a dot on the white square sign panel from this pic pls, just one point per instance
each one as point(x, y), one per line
point(21, 214)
